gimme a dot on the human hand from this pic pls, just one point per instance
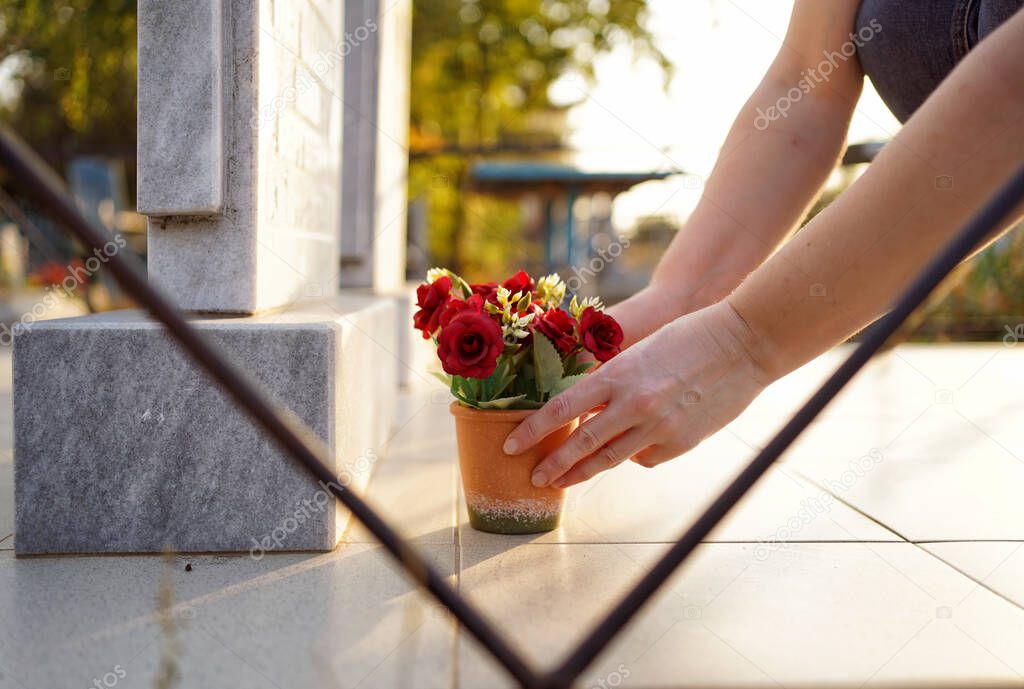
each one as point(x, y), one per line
point(664, 395)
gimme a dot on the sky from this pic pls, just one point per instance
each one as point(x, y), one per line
point(720, 49)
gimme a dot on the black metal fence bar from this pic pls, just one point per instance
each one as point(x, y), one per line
point(981, 226)
point(295, 439)
point(291, 434)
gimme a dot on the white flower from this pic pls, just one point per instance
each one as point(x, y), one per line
point(576, 308)
point(513, 326)
point(551, 290)
point(434, 273)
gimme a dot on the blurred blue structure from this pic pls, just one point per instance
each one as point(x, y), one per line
point(555, 184)
point(98, 185)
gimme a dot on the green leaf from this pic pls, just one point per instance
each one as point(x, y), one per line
point(457, 392)
point(468, 403)
point(546, 362)
point(569, 363)
point(528, 404)
point(443, 377)
point(581, 367)
point(565, 383)
point(463, 388)
point(506, 381)
point(523, 383)
point(502, 403)
point(485, 387)
point(496, 383)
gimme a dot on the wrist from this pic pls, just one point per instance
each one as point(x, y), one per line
point(646, 311)
point(750, 347)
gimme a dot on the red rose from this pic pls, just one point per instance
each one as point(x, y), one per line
point(456, 306)
point(520, 282)
point(600, 334)
point(469, 345)
point(560, 328)
point(488, 291)
point(431, 298)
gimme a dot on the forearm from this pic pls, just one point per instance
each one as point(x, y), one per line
point(761, 187)
point(847, 266)
point(767, 174)
point(758, 191)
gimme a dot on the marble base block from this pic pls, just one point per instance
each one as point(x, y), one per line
point(123, 445)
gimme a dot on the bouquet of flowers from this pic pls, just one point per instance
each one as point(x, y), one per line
point(511, 345)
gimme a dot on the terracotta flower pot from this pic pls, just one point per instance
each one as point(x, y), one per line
point(499, 495)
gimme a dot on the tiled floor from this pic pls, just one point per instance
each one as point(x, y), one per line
point(886, 549)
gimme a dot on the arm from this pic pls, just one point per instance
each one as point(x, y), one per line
point(697, 373)
point(741, 218)
point(861, 251)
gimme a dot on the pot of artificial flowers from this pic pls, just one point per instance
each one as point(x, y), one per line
point(506, 350)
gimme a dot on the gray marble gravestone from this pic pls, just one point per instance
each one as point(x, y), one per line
point(121, 444)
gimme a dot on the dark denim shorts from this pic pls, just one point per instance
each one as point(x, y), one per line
point(920, 42)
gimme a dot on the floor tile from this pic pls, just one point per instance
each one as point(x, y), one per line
point(885, 385)
point(897, 385)
point(971, 376)
point(809, 615)
point(998, 565)
point(942, 476)
point(780, 400)
point(341, 619)
point(413, 486)
point(632, 504)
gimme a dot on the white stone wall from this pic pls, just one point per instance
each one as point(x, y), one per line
point(300, 103)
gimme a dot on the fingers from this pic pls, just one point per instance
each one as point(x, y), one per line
point(592, 434)
point(560, 410)
point(607, 457)
point(656, 454)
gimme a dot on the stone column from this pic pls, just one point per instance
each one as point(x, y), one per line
point(240, 149)
point(376, 162)
point(375, 174)
point(121, 444)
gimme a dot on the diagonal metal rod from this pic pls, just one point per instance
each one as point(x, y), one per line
point(980, 227)
point(290, 433)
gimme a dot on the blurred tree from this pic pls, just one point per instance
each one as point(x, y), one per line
point(68, 73)
point(982, 300)
point(481, 72)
